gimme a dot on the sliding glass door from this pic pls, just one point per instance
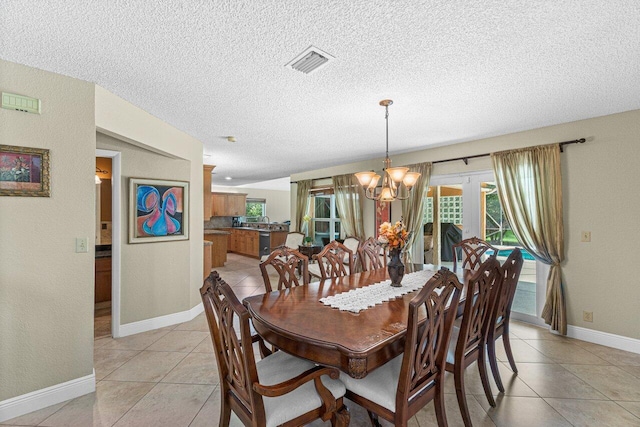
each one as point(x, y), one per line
point(458, 207)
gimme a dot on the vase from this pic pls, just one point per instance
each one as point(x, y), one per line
point(395, 267)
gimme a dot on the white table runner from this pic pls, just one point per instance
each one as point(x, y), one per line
point(359, 299)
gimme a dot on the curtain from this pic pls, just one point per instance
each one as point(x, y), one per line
point(413, 208)
point(302, 202)
point(530, 190)
point(349, 197)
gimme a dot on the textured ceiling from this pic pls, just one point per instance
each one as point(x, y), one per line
point(456, 70)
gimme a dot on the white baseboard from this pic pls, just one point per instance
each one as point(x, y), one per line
point(588, 335)
point(160, 322)
point(604, 338)
point(35, 400)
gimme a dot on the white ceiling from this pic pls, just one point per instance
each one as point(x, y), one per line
point(456, 70)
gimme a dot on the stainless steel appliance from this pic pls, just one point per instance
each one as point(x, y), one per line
point(265, 243)
point(236, 221)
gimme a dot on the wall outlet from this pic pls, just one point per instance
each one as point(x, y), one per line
point(587, 316)
point(585, 236)
point(82, 245)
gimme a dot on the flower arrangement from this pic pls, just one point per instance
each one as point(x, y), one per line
point(393, 236)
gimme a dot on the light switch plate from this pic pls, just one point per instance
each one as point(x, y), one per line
point(82, 245)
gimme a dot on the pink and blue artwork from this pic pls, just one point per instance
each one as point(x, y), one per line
point(160, 210)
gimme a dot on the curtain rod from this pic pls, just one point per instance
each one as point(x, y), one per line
point(465, 159)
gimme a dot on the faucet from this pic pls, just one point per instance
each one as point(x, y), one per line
point(268, 220)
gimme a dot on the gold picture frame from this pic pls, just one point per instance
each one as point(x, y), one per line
point(24, 171)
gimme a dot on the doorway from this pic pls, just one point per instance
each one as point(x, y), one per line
point(107, 244)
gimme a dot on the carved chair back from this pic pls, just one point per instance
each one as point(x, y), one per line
point(423, 363)
point(287, 263)
point(234, 353)
point(473, 250)
point(372, 255)
point(335, 260)
point(511, 271)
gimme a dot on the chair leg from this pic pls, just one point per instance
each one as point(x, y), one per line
point(507, 349)
point(341, 417)
point(458, 376)
point(482, 367)
point(438, 402)
point(374, 419)
point(493, 362)
point(225, 410)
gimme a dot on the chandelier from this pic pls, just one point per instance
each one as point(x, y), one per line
point(393, 179)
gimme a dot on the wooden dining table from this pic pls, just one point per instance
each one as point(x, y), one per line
point(294, 320)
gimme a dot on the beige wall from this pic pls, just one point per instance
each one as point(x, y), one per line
point(278, 202)
point(155, 276)
point(599, 181)
point(117, 118)
point(46, 289)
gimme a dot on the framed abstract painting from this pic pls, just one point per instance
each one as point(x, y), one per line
point(158, 210)
point(24, 171)
point(383, 214)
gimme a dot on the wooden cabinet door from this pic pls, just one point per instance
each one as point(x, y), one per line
point(253, 244)
point(237, 204)
point(218, 205)
point(103, 280)
point(206, 184)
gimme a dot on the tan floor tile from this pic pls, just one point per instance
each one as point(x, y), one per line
point(199, 323)
point(101, 342)
point(243, 292)
point(565, 352)
point(564, 384)
point(522, 352)
point(206, 346)
point(233, 277)
point(195, 368)
point(611, 355)
point(182, 341)
point(138, 341)
point(586, 413)
point(209, 415)
point(107, 360)
point(513, 385)
point(611, 381)
point(36, 417)
point(173, 405)
point(633, 407)
point(526, 331)
point(633, 370)
point(147, 366)
point(513, 411)
point(427, 416)
point(111, 400)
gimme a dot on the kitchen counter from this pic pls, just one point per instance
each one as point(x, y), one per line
point(262, 230)
point(219, 232)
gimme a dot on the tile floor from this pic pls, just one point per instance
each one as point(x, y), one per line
point(168, 377)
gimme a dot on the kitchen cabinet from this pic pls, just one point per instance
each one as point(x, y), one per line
point(228, 204)
point(206, 185)
point(219, 247)
point(103, 280)
point(245, 242)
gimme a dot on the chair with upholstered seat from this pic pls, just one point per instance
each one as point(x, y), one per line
point(353, 244)
point(473, 253)
point(335, 260)
point(293, 241)
point(401, 387)
point(372, 255)
point(501, 314)
point(287, 263)
point(468, 342)
point(278, 390)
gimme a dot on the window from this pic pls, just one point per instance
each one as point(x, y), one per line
point(326, 223)
point(256, 209)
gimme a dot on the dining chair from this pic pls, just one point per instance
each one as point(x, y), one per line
point(353, 244)
point(397, 390)
point(372, 255)
point(501, 314)
point(468, 342)
point(293, 241)
point(334, 260)
point(473, 251)
point(288, 263)
point(296, 390)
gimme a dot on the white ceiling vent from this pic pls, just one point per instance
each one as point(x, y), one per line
point(309, 60)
